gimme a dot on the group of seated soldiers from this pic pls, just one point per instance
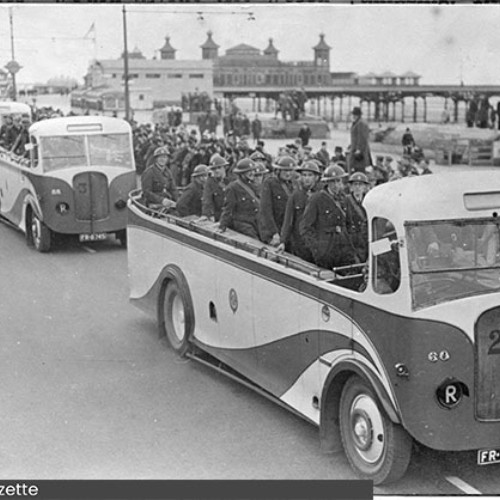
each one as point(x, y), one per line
point(313, 212)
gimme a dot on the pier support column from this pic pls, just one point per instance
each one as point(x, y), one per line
point(425, 108)
point(403, 110)
point(414, 110)
point(253, 104)
point(455, 110)
point(332, 103)
point(394, 111)
point(340, 108)
point(259, 108)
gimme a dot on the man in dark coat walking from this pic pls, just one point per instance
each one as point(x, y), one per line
point(360, 156)
point(305, 134)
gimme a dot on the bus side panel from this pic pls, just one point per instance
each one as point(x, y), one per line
point(15, 186)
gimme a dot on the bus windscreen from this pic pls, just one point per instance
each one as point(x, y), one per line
point(102, 150)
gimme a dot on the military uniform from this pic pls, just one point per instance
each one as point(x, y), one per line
point(189, 202)
point(274, 196)
point(358, 229)
point(158, 184)
point(213, 198)
point(324, 229)
point(290, 230)
point(240, 210)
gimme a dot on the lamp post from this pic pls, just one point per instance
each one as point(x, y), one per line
point(12, 66)
point(125, 64)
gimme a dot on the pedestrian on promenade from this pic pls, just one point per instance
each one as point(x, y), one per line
point(360, 156)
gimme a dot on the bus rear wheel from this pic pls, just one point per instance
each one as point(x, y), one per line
point(376, 448)
point(176, 316)
point(39, 235)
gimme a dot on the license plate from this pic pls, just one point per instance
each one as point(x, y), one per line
point(93, 237)
point(485, 457)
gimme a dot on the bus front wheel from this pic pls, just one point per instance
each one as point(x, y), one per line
point(376, 448)
point(39, 235)
point(176, 316)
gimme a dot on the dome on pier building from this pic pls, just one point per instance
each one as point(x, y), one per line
point(271, 50)
point(322, 52)
point(209, 50)
point(167, 51)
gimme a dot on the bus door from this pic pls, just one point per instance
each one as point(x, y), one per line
point(234, 317)
point(286, 330)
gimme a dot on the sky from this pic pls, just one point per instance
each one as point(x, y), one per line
point(445, 44)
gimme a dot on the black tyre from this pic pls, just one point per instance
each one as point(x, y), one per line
point(376, 448)
point(121, 236)
point(176, 316)
point(38, 234)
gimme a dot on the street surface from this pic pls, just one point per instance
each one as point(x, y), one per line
point(89, 391)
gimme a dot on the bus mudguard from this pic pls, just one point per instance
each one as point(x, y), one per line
point(329, 430)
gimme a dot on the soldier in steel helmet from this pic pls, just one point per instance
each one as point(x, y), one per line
point(241, 203)
point(260, 173)
point(358, 229)
point(325, 222)
point(291, 239)
point(276, 189)
point(189, 202)
point(157, 181)
point(213, 191)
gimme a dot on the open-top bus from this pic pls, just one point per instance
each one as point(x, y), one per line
point(403, 350)
point(76, 180)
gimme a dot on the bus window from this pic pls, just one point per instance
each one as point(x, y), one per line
point(452, 259)
point(386, 261)
point(112, 150)
point(59, 152)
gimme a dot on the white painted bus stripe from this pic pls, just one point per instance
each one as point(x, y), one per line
point(88, 249)
point(462, 485)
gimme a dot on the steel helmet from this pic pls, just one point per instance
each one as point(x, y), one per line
point(257, 155)
point(244, 165)
point(163, 150)
point(333, 172)
point(309, 166)
point(285, 163)
point(200, 170)
point(260, 168)
point(217, 161)
point(359, 177)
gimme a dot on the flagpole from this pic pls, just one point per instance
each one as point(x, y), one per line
point(125, 63)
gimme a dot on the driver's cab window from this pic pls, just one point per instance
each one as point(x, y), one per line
point(385, 257)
